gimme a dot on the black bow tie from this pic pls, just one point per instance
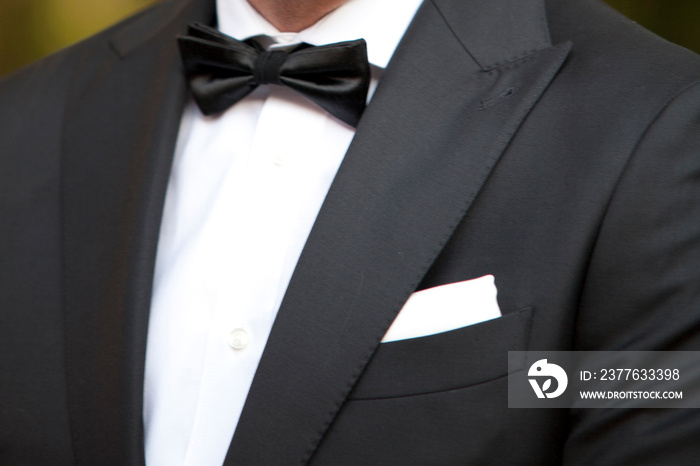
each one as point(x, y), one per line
point(222, 70)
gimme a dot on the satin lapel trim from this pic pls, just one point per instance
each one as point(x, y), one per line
point(420, 155)
point(122, 123)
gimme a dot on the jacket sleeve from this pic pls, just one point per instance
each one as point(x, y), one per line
point(642, 289)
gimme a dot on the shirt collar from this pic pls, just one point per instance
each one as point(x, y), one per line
point(382, 23)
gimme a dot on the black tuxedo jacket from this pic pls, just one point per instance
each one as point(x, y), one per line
point(551, 143)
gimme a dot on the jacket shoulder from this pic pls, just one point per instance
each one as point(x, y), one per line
point(33, 100)
point(54, 72)
point(615, 49)
point(617, 72)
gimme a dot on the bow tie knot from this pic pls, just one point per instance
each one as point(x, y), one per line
point(222, 70)
point(268, 66)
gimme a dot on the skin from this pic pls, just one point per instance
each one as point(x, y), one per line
point(294, 15)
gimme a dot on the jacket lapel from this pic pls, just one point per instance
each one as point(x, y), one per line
point(448, 105)
point(122, 123)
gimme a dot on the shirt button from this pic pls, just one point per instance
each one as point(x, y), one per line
point(279, 161)
point(238, 339)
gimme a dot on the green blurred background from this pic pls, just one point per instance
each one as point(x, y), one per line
point(30, 29)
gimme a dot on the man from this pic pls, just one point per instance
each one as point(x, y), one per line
point(550, 144)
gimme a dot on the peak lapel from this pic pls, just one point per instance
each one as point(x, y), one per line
point(436, 127)
point(122, 122)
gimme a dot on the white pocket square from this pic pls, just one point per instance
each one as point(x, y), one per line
point(444, 308)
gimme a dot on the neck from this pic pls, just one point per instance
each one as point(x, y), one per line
point(294, 15)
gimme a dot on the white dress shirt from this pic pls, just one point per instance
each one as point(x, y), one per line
point(245, 189)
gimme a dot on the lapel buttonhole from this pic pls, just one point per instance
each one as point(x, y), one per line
point(505, 95)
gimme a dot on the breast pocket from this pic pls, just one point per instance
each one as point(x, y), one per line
point(446, 361)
